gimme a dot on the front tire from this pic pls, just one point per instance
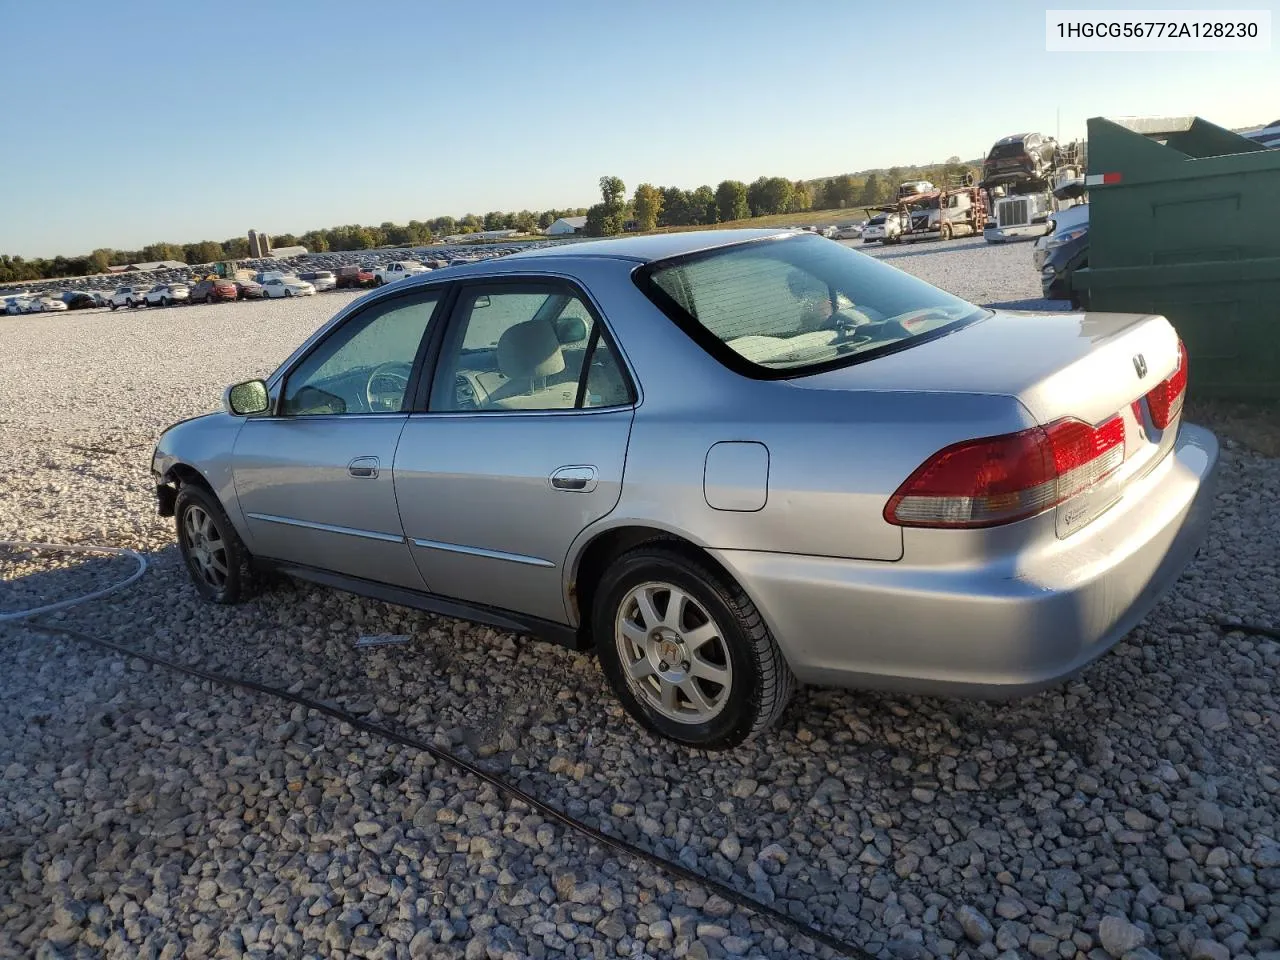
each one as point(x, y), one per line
point(686, 651)
point(217, 561)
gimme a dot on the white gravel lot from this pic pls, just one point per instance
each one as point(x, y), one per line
point(1131, 813)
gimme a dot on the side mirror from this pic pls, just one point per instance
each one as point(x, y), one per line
point(246, 399)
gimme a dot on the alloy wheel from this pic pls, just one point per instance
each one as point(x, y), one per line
point(673, 653)
point(206, 550)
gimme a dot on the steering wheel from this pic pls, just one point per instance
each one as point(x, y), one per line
point(394, 375)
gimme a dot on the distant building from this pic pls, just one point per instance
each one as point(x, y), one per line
point(566, 226)
point(282, 252)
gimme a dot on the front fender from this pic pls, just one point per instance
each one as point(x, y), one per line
point(206, 445)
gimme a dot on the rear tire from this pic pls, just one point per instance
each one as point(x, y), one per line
point(217, 561)
point(945, 232)
point(707, 675)
point(208, 299)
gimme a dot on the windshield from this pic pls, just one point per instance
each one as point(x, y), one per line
point(780, 307)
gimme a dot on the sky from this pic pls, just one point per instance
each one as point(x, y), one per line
point(129, 124)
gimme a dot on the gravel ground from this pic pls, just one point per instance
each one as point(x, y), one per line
point(1130, 813)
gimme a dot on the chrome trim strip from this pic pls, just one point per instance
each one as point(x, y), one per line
point(329, 528)
point(481, 552)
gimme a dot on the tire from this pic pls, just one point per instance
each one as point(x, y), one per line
point(219, 564)
point(288, 293)
point(114, 306)
point(164, 301)
point(378, 281)
point(758, 681)
point(208, 299)
point(945, 232)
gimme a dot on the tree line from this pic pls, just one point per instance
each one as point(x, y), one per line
point(649, 207)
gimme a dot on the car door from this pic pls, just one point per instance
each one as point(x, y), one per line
point(314, 478)
point(522, 445)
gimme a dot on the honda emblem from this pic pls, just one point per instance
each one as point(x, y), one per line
point(1140, 365)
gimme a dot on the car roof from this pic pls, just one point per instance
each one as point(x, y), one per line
point(648, 248)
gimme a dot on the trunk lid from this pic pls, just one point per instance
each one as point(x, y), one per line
point(1090, 366)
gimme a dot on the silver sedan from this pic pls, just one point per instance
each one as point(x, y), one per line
point(726, 461)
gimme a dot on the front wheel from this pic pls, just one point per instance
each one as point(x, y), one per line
point(686, 651)
point(164, 301)
point(209, 299)
point(288, 293)
point(115, 306)
point(216, 559)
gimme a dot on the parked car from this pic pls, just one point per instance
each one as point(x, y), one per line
point(248, 290)
point(79, 300)
point(397, 270)
point(101, 298)
point(214, 290)
point(263, 276)
point(1063, 251)
point(322, 280)
point(14, 304)
point(348, 275)
point(129, 295)
point(885, 227)
point(168, 294)
point(848, 231)
point(1023, 156)
point(287, 287)
point(46, 303)
point(367, 277)
point(838, 488)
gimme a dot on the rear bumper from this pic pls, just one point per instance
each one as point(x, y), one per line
point(993, 630)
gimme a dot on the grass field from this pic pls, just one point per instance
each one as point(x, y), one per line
point(805, 218)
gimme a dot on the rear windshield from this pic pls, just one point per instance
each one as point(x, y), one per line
point(781, 307)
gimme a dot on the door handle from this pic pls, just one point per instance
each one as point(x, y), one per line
point(574, 479)
point(364, 468)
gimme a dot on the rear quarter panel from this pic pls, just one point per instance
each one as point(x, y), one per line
point(835, 455)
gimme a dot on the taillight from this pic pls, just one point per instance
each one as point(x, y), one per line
point(1165, 398)
point(995, 480)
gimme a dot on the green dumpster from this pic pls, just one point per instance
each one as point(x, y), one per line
point(1184, 220)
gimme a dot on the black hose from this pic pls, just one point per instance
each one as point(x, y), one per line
point(509, 789)
point(1256, 629)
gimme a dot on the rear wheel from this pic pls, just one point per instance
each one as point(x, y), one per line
point(686, 651)
point(216, 559)
point(164, 301)
point(946, 231)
